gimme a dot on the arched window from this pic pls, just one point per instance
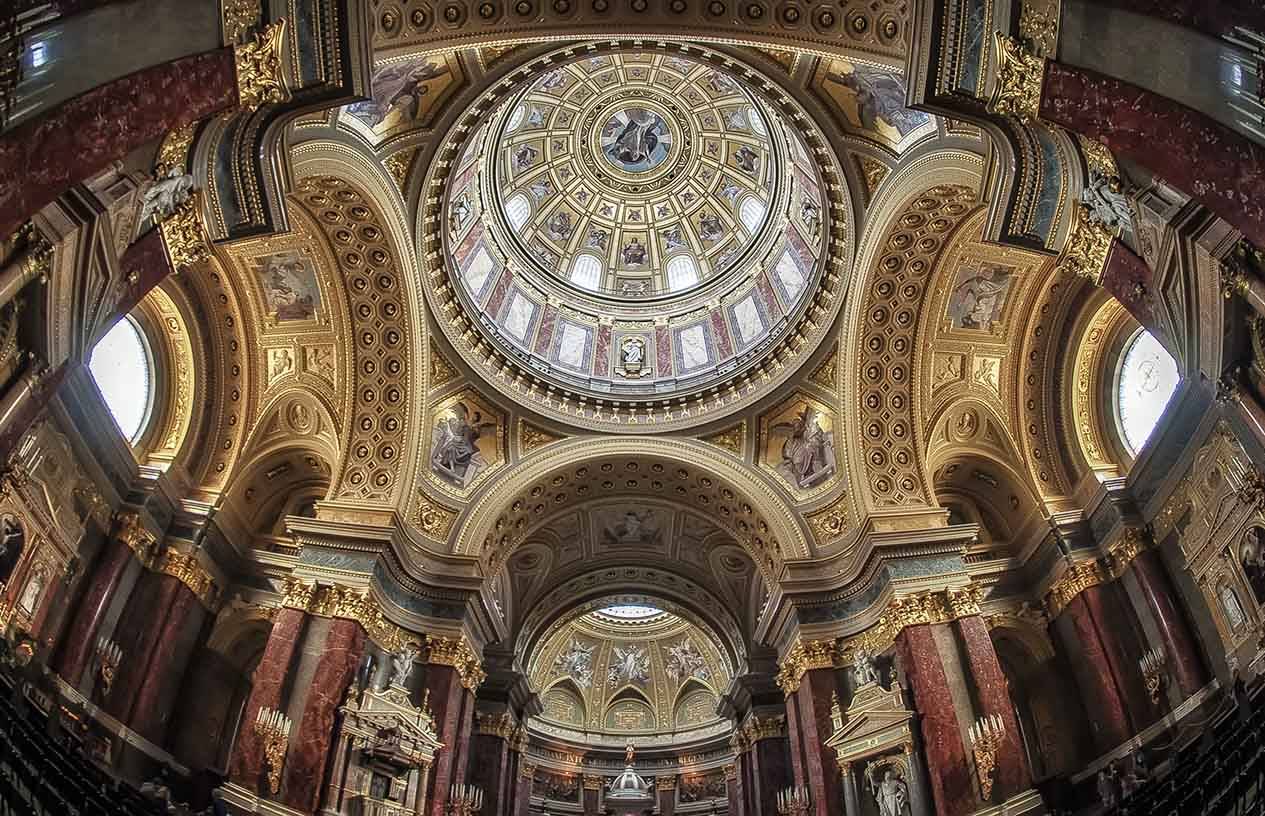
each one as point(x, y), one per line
point(1147, 379)
point(751, 213)
point(518, 210)
point(123, 367)
point(682, 273)
point(586, 271)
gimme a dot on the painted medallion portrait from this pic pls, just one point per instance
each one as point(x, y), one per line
point(979, 295)
point(870, 99)
point(291, 291)
point(636, 140)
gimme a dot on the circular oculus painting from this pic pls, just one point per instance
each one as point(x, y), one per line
point(636, 140)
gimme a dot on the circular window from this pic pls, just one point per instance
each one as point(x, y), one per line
point(1148, 378)
point(632, 611)
point(123, 369)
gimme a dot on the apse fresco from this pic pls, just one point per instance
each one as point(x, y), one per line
point(406, 94)
point(870, 100)
point(291, 291)
point(979, 295)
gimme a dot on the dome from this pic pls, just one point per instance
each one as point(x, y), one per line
point(637, 226)
point(629, 786)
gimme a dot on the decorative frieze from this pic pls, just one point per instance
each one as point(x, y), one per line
point(1019, 78)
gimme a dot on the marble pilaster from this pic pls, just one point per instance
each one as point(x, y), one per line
point(1113, 620)
point(138, 634)
point(770, 771)
point(447, 703)
point(811, 718)
point(1083, 650)
point(1184, 659)
point(310, 743)
point(180, 625)
point(247, 764)
point(993, 698)
point(490, 769)
point(78, 645)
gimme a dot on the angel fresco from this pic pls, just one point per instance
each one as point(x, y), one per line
point(808, 450)
point(978, 296)
point(398, 94)
point(455, 454)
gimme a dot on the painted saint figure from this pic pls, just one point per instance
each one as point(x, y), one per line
point(455, 452)
point(808, 455)
point(977, 300)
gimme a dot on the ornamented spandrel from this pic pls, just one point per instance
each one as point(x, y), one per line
point(260, 73)
point(433, 518)
point(832, 521)
point(397, 164)
point(531, 438)
point(873, 171)
point(731, 439)
point(1087, 248)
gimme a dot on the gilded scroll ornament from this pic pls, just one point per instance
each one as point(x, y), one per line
point(1019, 78)
point(1098, 157)
point(833, 521)
point(730, 439)
point(186, 569)
point(432, 518)
point(173, 154)
point(1078, 578)
point(1087, 248)
point(531, 438)
point(802, 657)
point(1039, 27)
point(457, 653)
point(183, 235)
point(260, 75)
point(397, 164)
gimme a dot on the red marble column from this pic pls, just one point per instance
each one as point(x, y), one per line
point(1084, 651)
point(309, 747)
point(750, 791)
point(1213, 164)
point(522, 788)
point(1183, 653)
point(770, 771)
point(489, 770)
point(667, 797)
point(1212, 17)
point(78, 645)
point(818, 771)
point(138, 634)
point(993, 697)
point(591, 792)
point(180, 625)
point(1131, 281)
point(1112, 620)
point(41, 159)
point(447, 702)
point(247, 764)
point(950, 772)
point(733, 787)
point(465, 737)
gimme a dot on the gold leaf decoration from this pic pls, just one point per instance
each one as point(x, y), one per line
point(398, 164)
point(441, 371)
point(433, 518)
point(531, 438)
point(731, 439)
point(1019, 78)
point(873, 171)
point(239, 17)
point(260, 78)
point(825, 374)
point(833, 521)
point(184, 236)
point(173, 154)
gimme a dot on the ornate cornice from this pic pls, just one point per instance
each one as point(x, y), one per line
point(497, 725)
point(260, 77)
point(665, 783)
point(1078, 578)
point(1019, 78)
point(460, 655)
point(335, 601)
point(1128, 546)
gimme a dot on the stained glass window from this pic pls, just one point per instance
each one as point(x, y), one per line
point(1148, 378)
point(121, 365)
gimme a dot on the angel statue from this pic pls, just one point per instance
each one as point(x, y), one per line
point(864, 669)
point(455, 453)
point(402, 665)
point(165, 195)
point(891, 793)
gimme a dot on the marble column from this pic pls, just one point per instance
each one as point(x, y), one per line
point(733, 790)
point(1184, 659)
point(1215, 165)
point(138, 634)
point(180, 626)
point(42, 158)
point(490, 762)
point(951, 773)
point(770, 770)
point(851, 802)
point(268, 682)
point(665, 787)
point(1083, 650)
point(592, 793)
point(447, 703)
point(993, 698)
point(808, 710)
point(522, 787)
point(78, 645)
point(1116, 629)
point(314, 733)
point(465, 737)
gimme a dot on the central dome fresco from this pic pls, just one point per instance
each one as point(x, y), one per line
point(636, 226)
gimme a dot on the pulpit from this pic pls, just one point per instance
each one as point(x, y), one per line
point(874, 745)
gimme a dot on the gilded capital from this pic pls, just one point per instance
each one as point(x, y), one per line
point(731, 771)
point(186, 569)
point(665, 783)
point(183, 235)
point(132, 532)
point(497, 725)
point(296, 594)
point(1019, 78)
point(457, 653)
point(260, 75)
point(1078, 578)
point(1087, 249)
point(593, 782)
point(1124, 549)
point(965, 601)
point(527, 770)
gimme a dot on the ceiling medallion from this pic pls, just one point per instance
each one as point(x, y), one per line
point(637, 237)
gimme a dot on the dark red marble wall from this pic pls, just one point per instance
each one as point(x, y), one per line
point(267, 684)
point(950, 772)
point(310, 747)
point(181, 623)
point(1118, 631)
point(41, 159)
point(1132, 282)
point(1082, 649)
point(1214, 17)
point(447, 704)
point(78, 645)
point(137, 634)
point(993, 697)
point(1213, 164)
point(489, 767)
point(812, 715)
point(734, 788)
point(145, 264)
point(1185, 661)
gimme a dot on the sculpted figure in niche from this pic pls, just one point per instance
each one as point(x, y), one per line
point(1106, 203)
point(808, 452)
point(165, 195)
point(455, 454)
point(402, 663)
point(864, 669)
point(890, 791)
point(1252, 556)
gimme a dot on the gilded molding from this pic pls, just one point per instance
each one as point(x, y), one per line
point(335, 601)
point(457, 653)
point(831, 522)
point(1078, 578)
point(239, 17)
point(1087, 248)
point(1120, 554)
point(497, 725)
point(186, 569)
point(260, 77)
point(1019, 78)
point(173, 154)
point(184, 236)
point(730, 439)
point(433, 518)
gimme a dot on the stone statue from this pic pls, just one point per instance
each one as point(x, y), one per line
point(891, 794)
point(1107, 205)
point(166, 194)
point(402, 665)
point(864, 669)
